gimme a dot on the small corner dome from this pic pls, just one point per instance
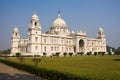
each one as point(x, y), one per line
point(16, 29)
point(59, 22)
point(34, 16)
point(100, 29)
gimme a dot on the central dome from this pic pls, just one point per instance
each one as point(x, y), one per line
point(59, 22)
point(59, 26)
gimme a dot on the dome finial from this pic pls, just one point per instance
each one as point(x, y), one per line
point(100, 28)
point(59, 16)
point(15, 29)
point(58, 11)
point(34, 16)
point(34, 12)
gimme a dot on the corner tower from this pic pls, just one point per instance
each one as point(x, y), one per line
point(15, 41)
point(34, 35)
point(101, 36)
point(34, 25)
point(101, 33)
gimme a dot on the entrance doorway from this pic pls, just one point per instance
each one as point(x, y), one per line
point(81, 45)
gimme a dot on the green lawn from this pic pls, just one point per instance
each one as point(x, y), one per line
point(100, 67)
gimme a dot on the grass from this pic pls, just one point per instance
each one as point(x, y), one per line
point(99, 67)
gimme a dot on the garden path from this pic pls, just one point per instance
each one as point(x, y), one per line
point(10, 73)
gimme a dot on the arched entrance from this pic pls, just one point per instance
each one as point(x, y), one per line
point(81, 45)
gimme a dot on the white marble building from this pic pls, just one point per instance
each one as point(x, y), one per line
point(57, 39)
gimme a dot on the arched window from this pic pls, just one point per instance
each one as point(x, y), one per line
point(55, 48)
point(51, 48)
point(36, 39)
point(63, 30)
point(62, 49)
point(35, 23)
point(44, 49)
point(36, 47)
point(81, 45)
point(44, 40)
point(16, 34)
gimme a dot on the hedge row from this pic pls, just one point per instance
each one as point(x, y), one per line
point(44, 73)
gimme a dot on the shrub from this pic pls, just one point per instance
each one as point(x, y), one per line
point(22, 59)
point(1, 54)
point(78, 53)
point(110, 53)
point(26, 56)
point(70, 53)
point(36, 61)
point(18, 54)
point(95, 53)
point(5, 53)
point(89, 53)
point(65, 53)
point(44, 54)
point(37, 55)
point(81, 53)
point(57, 54)
point(53, 54)
point(117, 53)
point(103, 53)
point(45, 73)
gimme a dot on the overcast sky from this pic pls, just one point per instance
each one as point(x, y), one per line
point(87, 15)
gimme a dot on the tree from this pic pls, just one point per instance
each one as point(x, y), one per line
point(78, 53)
point(57, 54)
point(95, 53)
point(89, 53)
point(44, 54)
point(22, 59)
point(18, 54)
point(118, 48)
point(36, 61)
point(70, 53)
point(1, 54)
point(6, 53)
point(109, 47)
point(103, 53)
point(65, 53)
point(117, 52)
point(81, 53)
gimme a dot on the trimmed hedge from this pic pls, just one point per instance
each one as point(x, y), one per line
point(44, 73)
point(70, 53)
